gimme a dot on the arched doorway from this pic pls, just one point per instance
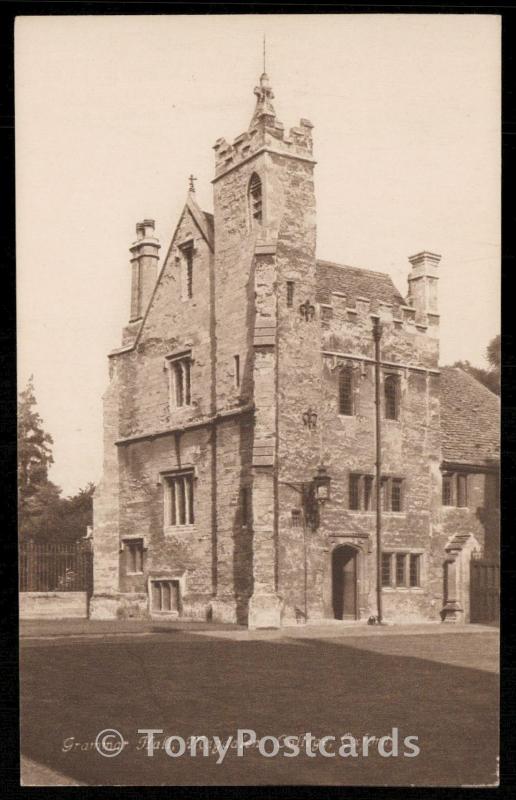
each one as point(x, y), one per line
point(344, 582)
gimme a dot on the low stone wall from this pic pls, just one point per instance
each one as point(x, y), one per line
point(119, 605)
point(53, 605)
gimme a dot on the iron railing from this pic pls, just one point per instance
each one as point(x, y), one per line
point(56, 567)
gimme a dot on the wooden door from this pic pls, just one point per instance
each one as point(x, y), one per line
point(344, 569)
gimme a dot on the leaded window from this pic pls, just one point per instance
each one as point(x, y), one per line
point(179, 499)
point(346, 391)
point(391, 394)
point(255, 198)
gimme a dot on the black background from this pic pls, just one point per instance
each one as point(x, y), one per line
point(9, 723)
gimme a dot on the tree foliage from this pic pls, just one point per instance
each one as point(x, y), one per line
point(489, 377)
point(43, 515)
point(77, 513)
point(34, 445)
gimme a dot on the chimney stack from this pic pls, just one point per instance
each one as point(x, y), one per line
point(144, 263)
point(422, 282)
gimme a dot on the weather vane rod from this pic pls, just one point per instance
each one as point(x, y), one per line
point(264, 53)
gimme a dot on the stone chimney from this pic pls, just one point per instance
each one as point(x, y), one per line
point(422, 282)
point(144, 263)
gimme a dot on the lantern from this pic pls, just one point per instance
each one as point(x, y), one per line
point(321, 484)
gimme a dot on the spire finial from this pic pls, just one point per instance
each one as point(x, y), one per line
point(263, 92)
point(191, 185)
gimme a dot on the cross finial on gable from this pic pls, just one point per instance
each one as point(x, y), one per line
point(191, 184)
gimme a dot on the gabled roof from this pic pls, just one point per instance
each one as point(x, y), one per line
point(470, 419)
point(355, 282)
point(203, 220)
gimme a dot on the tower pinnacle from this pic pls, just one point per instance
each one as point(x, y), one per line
point(264, 97)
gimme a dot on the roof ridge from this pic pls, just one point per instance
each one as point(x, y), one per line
point(348, 266)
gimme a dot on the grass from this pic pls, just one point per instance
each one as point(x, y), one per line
point(190, 685)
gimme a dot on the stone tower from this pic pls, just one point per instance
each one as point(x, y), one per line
point(265, 231)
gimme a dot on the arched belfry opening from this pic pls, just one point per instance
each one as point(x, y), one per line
point(255, 199)
point(344, 565)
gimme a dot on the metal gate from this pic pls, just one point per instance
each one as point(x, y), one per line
point(484, 591)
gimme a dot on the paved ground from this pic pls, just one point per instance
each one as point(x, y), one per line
point(435, 682)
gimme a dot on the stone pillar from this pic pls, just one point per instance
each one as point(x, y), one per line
point(106, 539)
point(264, 605)
point(457, 567)
point(452, 610)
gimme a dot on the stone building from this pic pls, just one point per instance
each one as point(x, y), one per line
point(239, 421)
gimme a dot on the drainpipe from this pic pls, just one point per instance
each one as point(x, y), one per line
point(377, 335)
point(305, 569)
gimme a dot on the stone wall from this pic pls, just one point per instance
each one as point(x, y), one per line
point(129, 500)
point(53, 605)
point(481, 516)
point(344, 444)
point(172, 325)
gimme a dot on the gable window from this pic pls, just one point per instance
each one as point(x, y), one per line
point(255, 198)
point(401, 570)
point(391, 387)
point(133, 556)
point(179, 499)
point(346, 391)
point(290, 294)
point(187, 252)
point(179, 380)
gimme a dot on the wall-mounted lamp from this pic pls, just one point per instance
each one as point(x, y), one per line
point(322, 484)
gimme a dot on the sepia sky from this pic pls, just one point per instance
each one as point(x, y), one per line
point(114, 113)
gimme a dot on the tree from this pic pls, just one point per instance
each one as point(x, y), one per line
point(34, 445)
point(43, 515)
point(38, 498)
point(494, 358)
point(40, 516)
point(77, 513)
point(489, 377)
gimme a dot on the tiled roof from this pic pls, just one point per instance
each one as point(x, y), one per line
point(355, 282)
point(470, 418)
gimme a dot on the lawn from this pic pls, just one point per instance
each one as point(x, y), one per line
point(186, 685)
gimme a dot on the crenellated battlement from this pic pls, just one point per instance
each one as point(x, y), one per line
point(338, 309)
point(298, 144)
